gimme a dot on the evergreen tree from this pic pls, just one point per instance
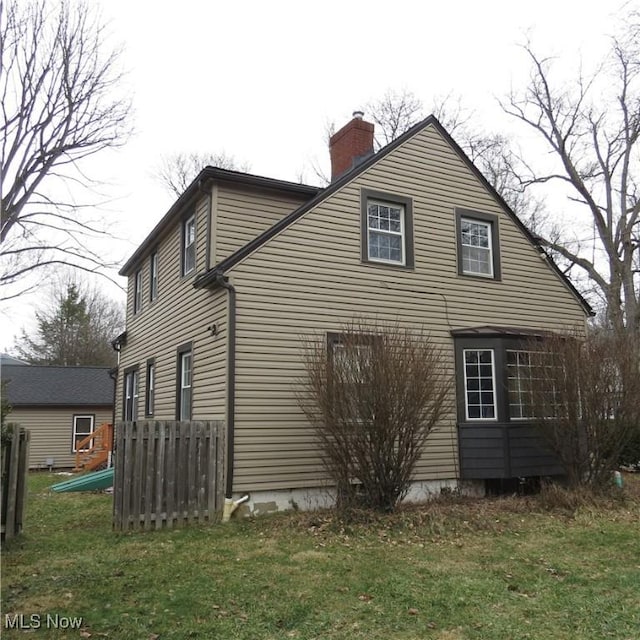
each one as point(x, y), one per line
point(76, 329)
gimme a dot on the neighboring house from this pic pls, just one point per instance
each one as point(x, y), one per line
point(6, 359)
point(59, 406)
point(242, 269)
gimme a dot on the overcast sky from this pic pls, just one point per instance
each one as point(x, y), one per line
point(260, 80)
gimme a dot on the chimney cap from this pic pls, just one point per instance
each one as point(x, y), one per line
point(358, 114)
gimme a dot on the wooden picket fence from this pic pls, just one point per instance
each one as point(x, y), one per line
point(167, 473)
point(15, 463)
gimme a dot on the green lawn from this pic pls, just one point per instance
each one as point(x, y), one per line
point(498, 569)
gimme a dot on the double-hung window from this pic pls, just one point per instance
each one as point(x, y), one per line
point(185, 382)
point(151, 387)
point(83, 425)
point(478, 245)
point(387, 229)
point(137, 292)
point(189, 245)
point(131, 393)
point(479, 384)
point(153, 276)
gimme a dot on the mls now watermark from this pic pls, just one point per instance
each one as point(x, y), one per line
point(41, 621)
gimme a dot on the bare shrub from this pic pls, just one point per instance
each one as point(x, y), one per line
point(373, 394)
point(584, 401)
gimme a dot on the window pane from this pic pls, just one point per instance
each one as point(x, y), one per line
point(385, 232)
point(84, 425)
point(475, 238)
point(479, 385)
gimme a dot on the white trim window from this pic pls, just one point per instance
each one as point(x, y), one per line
point(137, 292)
point(386, 232)
point(83, 425)
point(131, 395)
point(477, 247)
point(189, 245)
point(519, 376)
point(153, 276)
point(479, 384)
point(185, 385)
point(151, 387)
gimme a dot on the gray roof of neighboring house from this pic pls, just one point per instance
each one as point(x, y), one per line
point(58, 386)
point(6, 359)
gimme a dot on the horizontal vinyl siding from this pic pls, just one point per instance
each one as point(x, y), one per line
point(179, 315)
point(52, 432)
point(241, 214)
point(309, 280)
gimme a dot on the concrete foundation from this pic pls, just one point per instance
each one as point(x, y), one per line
point(263, 502)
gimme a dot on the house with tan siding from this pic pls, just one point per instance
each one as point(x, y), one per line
point(60, 406)
point(243, 269)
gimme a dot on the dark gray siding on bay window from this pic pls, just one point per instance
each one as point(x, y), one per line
point(500, 448)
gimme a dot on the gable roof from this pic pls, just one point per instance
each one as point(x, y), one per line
point(190, 194)
point(6, 359)
point(209, 278)
point(58, 386)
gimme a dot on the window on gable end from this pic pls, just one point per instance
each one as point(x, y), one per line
point(477, 244)
point(387, 229)
point(189, 245)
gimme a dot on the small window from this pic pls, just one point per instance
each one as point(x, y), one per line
point(479, 383)
point(131, 393)
point(153, 277)
point(82, 427)
point(185, 374)
point(387, 229)
point(189, 245)
point(151, 386)
point(137, 291)
point(478, 247)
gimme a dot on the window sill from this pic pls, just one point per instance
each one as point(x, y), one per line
point(384, 265)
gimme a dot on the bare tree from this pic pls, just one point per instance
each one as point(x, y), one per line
point(393, 114)
point(60, 104)
point(176, 171)
point(592, 127)
point(373, 395)
point(584, 401)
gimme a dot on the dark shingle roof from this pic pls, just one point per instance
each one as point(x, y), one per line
point(61, 386)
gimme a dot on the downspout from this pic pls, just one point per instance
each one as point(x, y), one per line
point(229, 505)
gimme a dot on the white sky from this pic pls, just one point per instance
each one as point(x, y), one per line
point(260, 80)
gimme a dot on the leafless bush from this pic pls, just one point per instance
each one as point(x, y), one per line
point(373, 394)
point(584, 400)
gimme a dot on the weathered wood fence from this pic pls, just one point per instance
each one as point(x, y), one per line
point(167, 473)
point(15, 463)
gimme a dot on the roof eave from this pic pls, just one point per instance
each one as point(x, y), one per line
point(210, 277)
point(196, 188)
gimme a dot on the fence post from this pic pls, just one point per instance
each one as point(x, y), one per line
point(15, 456)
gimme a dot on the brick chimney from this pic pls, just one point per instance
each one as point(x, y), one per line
point(349, 146)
